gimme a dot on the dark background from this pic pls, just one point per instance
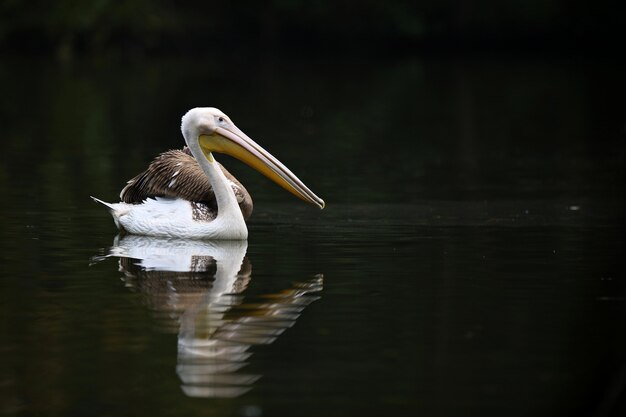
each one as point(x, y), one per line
point(480, 88)
point(368, 28)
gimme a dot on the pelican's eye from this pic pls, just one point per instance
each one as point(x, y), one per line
point(220, 119)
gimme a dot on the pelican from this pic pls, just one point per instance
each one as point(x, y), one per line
point(187, 194)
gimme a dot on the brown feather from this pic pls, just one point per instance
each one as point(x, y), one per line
point(175, 173)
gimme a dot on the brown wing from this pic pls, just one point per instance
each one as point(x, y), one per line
point(176, 173)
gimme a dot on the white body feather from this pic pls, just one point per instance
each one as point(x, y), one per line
point(169, 217)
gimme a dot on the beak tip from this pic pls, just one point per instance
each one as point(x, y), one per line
point(322, 204)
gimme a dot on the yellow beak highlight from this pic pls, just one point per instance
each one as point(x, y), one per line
point(234, 142)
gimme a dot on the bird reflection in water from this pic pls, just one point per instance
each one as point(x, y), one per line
point(199, 287)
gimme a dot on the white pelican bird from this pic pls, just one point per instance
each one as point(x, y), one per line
point(187, 194)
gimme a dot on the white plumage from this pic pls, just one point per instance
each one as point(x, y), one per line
point(173, 217)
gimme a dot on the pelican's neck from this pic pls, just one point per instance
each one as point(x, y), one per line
point(224, 194)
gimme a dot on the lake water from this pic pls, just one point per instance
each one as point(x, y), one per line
point(469, 260)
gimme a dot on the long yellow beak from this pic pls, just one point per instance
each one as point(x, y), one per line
point(234, 142)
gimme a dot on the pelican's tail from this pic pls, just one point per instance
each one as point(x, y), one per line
point(104, 203)
point(117, 210)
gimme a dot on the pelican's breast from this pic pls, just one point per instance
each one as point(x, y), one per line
point(201, 212)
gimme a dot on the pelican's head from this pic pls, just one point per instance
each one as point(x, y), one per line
point(213, 131)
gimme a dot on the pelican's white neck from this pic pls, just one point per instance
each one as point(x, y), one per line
point(227, 205)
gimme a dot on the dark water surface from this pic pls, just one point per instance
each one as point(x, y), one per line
point(469, 261)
